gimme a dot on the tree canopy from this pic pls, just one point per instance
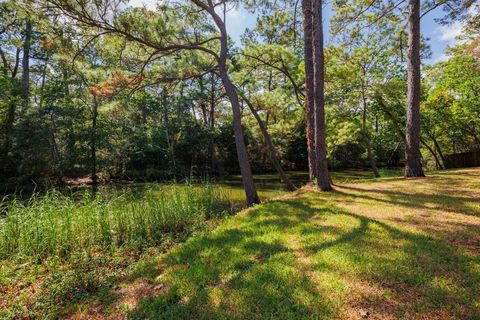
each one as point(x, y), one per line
point(106, 90)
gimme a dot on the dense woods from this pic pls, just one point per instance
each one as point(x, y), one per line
point(107, 91)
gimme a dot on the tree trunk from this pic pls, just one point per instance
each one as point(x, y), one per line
point(321, 164)
point(24, 91)
point(245, 169)
point(432, 152)
point(8, 135)
point(93, 142)
point(269, 144)
point(166, 122)
point(399, 130)
point(26, 65)
point(439, 150)
point(413, 165)
point(371, 157)
point(309, 86)
point(244, 163)
point(213, 157)
point(366, 136)
point(56, 157)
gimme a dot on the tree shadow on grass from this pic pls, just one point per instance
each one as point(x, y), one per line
point(429, 277)
point(417, 200)
point(243, 271)
point(247, 269)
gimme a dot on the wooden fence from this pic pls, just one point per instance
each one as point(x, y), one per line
point(464, 159)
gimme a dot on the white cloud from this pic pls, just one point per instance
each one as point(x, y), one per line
point(149, 4)
point(450, 32)
point(235, 13)
point(237, 20)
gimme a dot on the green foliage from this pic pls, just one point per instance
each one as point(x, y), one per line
point(452, 103)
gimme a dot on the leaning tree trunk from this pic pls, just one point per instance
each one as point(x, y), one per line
point(321, 164)
point(413, 166)
point(440, 165)
point(245, 169)
point(269, 144)
point(244, 163)
point(432, 152)
point(309, 86)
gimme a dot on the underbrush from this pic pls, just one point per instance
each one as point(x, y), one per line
point(56, 249)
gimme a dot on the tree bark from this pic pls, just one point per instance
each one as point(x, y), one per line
point(399, 130)
point(413, 165)
point(26, 65)
point(432, 152)
point(366, 136)
point(371, 157)
point(269, 144)
point(243, 161)
point(321, 164)
point(12, 107)
point(8, 135)
point(213, 158)
point(166, 122)
point(309, 86)
point(439, 150)
point(93, 142)
point(245, 169)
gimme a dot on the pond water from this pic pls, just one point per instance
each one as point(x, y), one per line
point(268, 185)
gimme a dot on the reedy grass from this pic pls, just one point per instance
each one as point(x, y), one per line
point(55, 224)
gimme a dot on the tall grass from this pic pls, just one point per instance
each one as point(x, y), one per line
point(54, 224)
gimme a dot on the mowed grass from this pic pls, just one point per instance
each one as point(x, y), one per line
point(395, 249)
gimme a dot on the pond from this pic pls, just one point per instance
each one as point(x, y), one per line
point(268, 185)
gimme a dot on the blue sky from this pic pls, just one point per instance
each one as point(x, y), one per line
point(440, 37)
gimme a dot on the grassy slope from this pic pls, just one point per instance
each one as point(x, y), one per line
point(394, 248)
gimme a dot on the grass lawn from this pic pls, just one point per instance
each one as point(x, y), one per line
point(387, 249)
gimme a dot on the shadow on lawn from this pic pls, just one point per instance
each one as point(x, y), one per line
point(422, 274)
point(417, 200)
point(249, 270)
point(236, 273)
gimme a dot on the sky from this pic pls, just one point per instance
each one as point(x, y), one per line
point(238, 19)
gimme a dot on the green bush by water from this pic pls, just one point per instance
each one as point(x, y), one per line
point(58, 225)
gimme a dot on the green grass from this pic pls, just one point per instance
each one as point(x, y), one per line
point(269, 185)
point(399, 249)
point(54, 224)
point(74, 246)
